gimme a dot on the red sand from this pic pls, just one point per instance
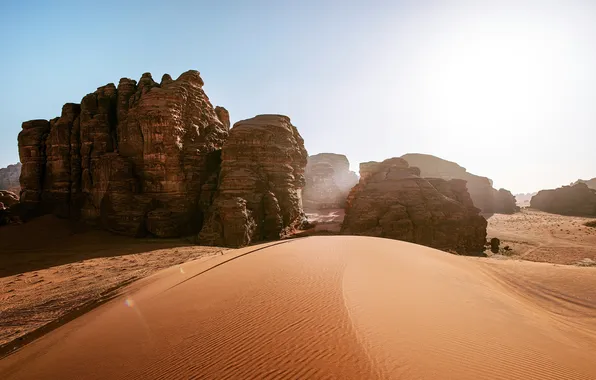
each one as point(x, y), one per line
point(332, 307)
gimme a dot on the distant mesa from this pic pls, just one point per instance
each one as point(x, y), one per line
point(578, 200)
point(328, 181)
point(9, 178)
point(484, 196)
point(523, 199)
point(392, 201)
point(590, 182)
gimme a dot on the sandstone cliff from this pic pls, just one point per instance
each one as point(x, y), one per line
point(132, 159)
point(9, 178)
point(328, 181)
point(262, 174)
point(578, 200)
point(484, 196)
point(391, 200)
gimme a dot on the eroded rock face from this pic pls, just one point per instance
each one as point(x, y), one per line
point(505, 202)
point(484, 196)
point(262, 174)
point(132, 159)
point(391, 200)
point(578, 200)
point(9, 178)
point(328, 181)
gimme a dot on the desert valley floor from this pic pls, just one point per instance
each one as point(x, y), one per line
point(367, 307)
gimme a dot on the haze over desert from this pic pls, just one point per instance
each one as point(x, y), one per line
point(298, 190)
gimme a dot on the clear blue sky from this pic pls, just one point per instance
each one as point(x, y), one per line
point(507, 89)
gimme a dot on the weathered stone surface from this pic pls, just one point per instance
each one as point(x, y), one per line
point(328, 181)
point(578, 199)
point(224, 116)
point(32, 153)
point(132, 159)
point(9, 178)
point(505, 202)
point(262, 173)
point(484, 196)
point(8, 198)
point(392, 201)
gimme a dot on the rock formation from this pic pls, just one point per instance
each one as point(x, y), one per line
point(132, 159)
point(578, 200)
point(8, 198)
point(391, 200)
point(9, 178)
point(590, 182)
point(328, 181)
point(262, 174)
point(484, 196)
point(504, 202)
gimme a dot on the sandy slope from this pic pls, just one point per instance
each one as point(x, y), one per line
point(332, 307)
point(540, 236)
point(51, 270)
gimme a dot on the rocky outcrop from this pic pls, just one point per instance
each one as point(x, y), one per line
point(578, 200)
point(9, 178)
point(8, 198)
point(132, 159)
point(328, 181)
point(262, 174)
point(590, 182)
point(391, 200)
point(484, 196)
point(504, 202)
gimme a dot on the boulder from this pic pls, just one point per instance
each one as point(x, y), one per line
point(391, 200)
point(484, 196)
point(9, 178)
point(8, 198)
point(261, 177)
point(132, 159)
point(579, 200)
point(328, 181)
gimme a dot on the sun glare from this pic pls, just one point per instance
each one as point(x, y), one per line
point(500, 76)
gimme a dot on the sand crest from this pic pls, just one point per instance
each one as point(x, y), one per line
point(332, 307)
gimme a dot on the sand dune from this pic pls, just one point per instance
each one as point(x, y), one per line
point(332, 307)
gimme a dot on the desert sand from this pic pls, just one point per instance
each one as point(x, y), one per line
point(52, 271)
point(540, 236)
point(332, 307)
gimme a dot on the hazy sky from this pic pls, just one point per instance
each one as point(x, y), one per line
point(505, 89)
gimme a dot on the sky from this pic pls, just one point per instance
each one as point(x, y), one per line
point(507, 89)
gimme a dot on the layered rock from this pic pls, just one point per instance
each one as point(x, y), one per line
point(132, 159)
point(328, 181)
point(9, 178)
point(262, 174)
point(391, 200)
point(484, 196)
point(578, 200)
